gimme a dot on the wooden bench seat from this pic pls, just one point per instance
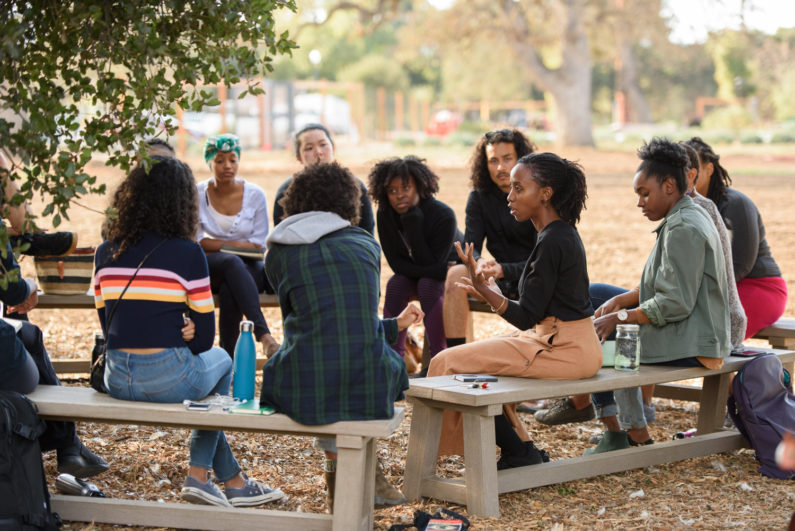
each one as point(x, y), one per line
point(85, 301)
point(482, 483)
point(780, 334)
point(353, 506)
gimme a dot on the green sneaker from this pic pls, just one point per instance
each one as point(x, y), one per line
point(611, 440)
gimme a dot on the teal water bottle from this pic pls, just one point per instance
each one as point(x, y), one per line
point(245, 363)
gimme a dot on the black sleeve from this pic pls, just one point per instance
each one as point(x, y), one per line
point(537, 289)
point(17, 291)
point(366, 220)
point(204, 321)
point(742, 220)
point(512, 270)
point(278, 211)
point(474, 229)
point(430, 240)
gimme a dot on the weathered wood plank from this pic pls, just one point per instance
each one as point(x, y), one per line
point(182, 515)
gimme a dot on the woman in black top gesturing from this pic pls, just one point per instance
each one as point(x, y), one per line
point(556, 338)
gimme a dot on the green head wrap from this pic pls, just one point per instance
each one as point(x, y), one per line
point(224, 143)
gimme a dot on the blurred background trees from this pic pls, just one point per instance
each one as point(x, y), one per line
point(590, 62)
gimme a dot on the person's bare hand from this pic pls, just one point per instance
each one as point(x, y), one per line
point(410, 315)
point(605, 325)
point(29, 303)
point(490, 268)
point(467, 257)
point(189, 330)
point(466, 284)
point(611, 305)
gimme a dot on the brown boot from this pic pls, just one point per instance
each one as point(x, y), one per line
point(331, 478)
point(385, 493)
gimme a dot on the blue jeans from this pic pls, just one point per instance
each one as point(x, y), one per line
point(171, 376)
point(630, 401)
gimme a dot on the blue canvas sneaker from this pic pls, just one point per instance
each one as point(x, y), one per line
point(206, 493)
point(252, 493)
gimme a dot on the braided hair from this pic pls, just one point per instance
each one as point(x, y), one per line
point(719, 181)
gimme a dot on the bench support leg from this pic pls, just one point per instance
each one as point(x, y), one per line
point(423, 449)
point(355, 474)
point(481, 465)
point(712, 409)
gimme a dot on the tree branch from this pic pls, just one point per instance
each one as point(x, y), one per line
point(368, 17)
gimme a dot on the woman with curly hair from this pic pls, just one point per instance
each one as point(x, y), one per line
point(556, 338)
point(335, 363)
point(416, 233)
point(682, 303)
point(154, 353)
point(234, 212)
point(762, 290)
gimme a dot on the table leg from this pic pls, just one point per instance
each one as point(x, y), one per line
point(712, 409)
point(481, 465)
point(354, 470)
point(423, 449)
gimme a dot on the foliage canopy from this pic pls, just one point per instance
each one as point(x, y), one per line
point(85, 77)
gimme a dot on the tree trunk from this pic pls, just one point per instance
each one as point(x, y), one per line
point(639, 111)
point(573, 107)
point(570, 84)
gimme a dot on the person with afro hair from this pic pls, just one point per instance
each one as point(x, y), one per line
point(416, 232)
point(682, 303)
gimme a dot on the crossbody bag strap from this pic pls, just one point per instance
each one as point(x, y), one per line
point(113, 310)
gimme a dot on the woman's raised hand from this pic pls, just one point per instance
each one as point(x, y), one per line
point(467, 256)
point(409, 316)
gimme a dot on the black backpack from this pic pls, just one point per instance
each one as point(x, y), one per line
point(24, 500)
point(762, 407)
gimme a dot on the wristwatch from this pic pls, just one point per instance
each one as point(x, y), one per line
point(622, 315)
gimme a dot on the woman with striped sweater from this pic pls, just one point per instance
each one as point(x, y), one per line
point(160, 337)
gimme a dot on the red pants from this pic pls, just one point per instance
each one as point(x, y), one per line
point(764, 300)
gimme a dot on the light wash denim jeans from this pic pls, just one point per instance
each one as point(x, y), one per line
point(171, 376)
point(630, 401)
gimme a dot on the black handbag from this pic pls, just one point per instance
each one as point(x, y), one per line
point(97, 376)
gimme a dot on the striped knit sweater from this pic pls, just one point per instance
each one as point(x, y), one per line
point(173, 282)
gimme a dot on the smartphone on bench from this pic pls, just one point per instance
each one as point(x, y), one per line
point(748, 352)
point(475, 378)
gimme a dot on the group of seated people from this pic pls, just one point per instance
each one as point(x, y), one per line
point(702, 291)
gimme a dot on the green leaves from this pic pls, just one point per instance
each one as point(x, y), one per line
point(79, 78)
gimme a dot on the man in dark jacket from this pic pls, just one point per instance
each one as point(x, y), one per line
point(488, 218)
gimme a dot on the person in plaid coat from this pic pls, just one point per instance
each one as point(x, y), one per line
point(335, 362)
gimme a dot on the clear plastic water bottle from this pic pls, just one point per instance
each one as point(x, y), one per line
point(245, 363)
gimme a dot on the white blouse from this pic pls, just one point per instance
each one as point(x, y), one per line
point(250, 224)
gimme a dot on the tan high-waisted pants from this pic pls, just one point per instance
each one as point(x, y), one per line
point(553, 350)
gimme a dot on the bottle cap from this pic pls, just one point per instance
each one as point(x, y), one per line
point(246, 326)
point(628, 328)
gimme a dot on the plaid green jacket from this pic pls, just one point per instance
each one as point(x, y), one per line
point(335, 363)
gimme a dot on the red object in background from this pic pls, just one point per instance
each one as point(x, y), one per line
point(443, 123)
